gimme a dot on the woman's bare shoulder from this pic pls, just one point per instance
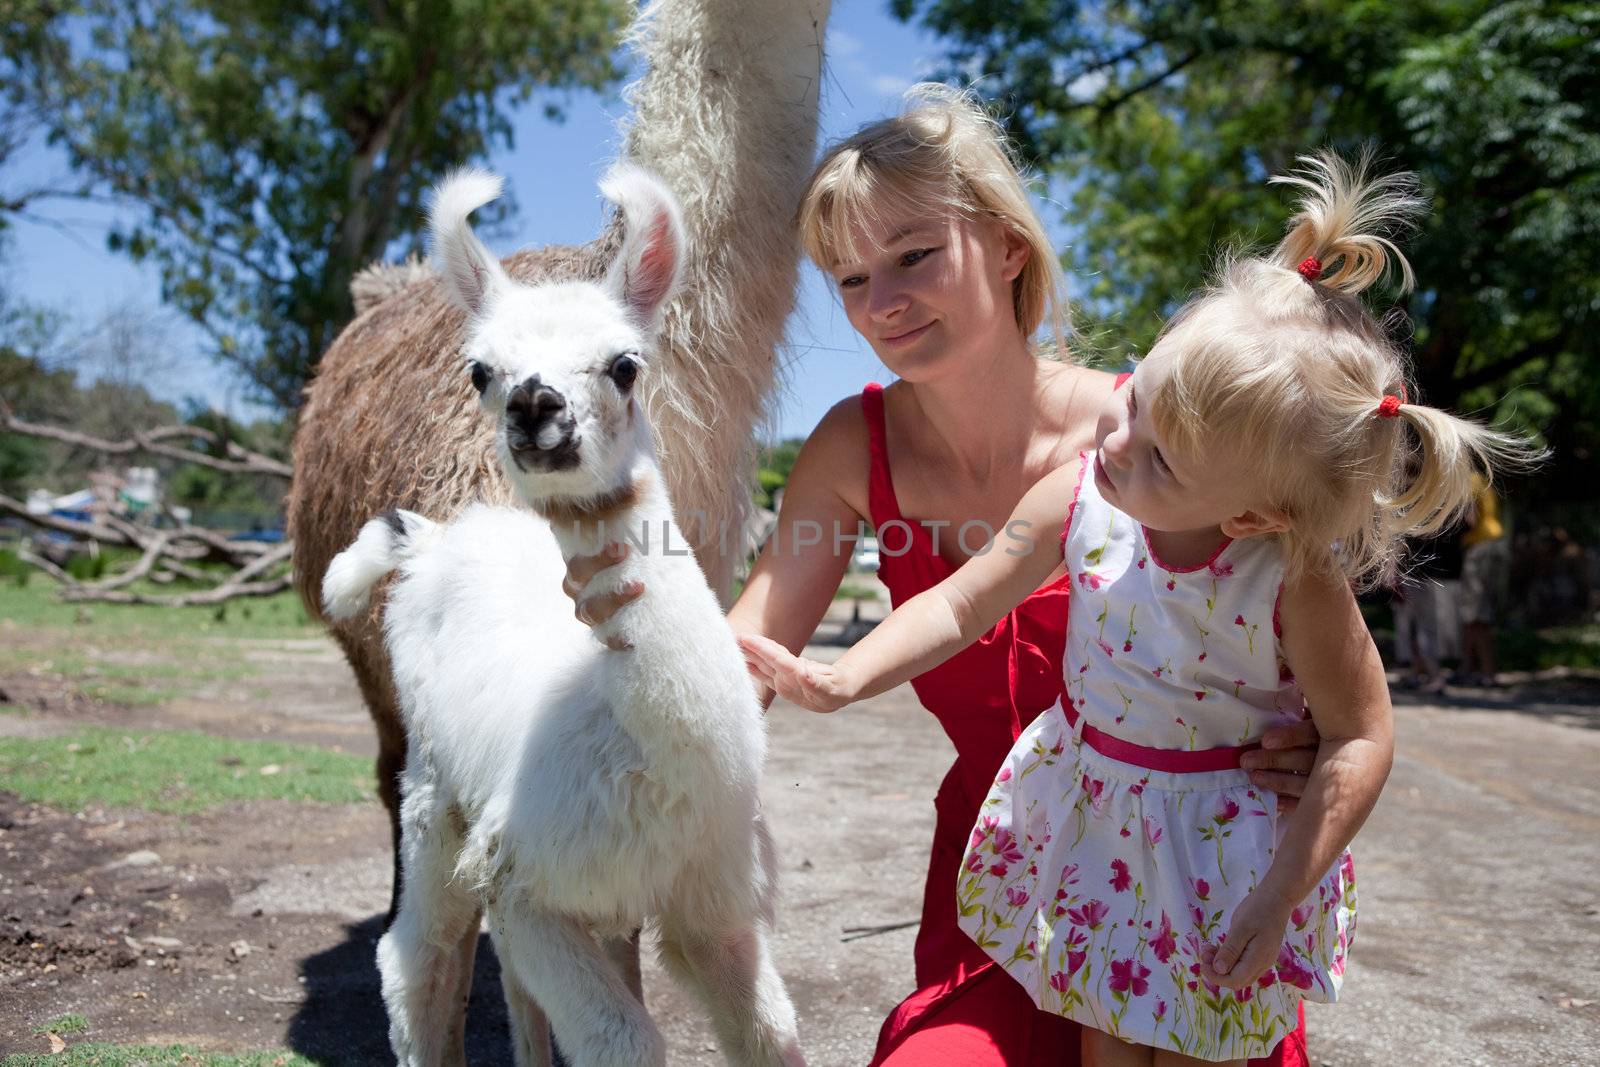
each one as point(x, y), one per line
point(1079, 394)
point(842, 430)
point(1089, 383)
point(838, 454)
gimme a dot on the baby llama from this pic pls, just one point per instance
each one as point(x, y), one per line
point(570, 792)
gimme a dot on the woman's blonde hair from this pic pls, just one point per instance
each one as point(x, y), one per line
point(942, 153)
point(1279, 361)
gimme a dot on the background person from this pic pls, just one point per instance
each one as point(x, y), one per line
point(1483, 575)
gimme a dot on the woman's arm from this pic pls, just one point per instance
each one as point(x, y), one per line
point(936, 623)
point(824, 502)
point(1331, 653)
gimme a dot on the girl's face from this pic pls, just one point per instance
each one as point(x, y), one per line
point(1143, 475)
point(932, 292)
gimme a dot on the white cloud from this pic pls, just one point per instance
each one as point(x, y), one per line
point(890, 84)
point(841, 44)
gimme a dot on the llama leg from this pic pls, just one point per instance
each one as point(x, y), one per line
point(624, 955)
point(420, 957)
point(597, 1020)
point(466, 955)
point(732, 973)
point(530, 1029)
point(729, 965)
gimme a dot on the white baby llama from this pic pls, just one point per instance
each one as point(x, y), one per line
point(569, 791)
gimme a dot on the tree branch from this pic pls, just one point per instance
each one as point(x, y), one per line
point(244, 461)
point(227, 591)
point(1106, 107)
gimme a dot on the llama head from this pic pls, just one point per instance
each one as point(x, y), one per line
point(558, 365)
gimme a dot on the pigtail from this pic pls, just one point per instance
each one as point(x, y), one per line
point(1431, 458)
point(1339, 238)
point(1448, 452)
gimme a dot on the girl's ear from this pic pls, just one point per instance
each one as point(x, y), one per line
point(645, 273)
point(1017, 252)
point(1255, 523)
point(471, 273)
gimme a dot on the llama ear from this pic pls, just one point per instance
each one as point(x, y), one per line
point(471, 272)
point(645, 273)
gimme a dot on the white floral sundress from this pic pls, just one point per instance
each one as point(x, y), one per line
point(1094, 881)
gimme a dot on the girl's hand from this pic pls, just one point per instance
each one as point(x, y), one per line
point(820, 687)
point(1283, 762)
point(594, 610)
point(1255, 937)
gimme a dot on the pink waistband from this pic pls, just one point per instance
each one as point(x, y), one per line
point(1170, 760)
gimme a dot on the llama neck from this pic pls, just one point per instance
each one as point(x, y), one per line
point(637, 515)
point(727, 114)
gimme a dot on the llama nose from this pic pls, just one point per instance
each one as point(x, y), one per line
point(532, 405)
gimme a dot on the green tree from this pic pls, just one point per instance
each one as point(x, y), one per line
point(274, 147)
point(774, 463)
point(1160, 120)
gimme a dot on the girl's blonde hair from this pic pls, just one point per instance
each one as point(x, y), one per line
point(1280, 362)
point(944, 153)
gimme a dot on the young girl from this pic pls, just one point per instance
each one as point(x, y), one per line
point(1250, 471)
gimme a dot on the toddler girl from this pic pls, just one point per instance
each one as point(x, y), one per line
point(1249, 473)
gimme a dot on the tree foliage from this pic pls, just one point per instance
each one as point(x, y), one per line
point(274, 147)
point(1160, 121)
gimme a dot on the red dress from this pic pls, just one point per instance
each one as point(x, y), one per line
point(966, 1011)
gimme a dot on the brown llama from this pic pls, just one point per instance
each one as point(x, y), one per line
point(726, 113)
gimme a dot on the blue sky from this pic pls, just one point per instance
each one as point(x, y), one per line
point(552, 169)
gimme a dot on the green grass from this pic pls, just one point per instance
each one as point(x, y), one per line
point(140, 655)
point(35, 606)
point(178, 771)
point(71, 1023)
point(98, 1055)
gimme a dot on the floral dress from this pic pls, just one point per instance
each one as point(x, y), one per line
point(1120, 833)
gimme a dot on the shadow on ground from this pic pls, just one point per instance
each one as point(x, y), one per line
point(1563, 697)
point(342, 1022)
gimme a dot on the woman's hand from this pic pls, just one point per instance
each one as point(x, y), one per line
point(1255, 937)
point(820, 687)
point(1283, 762)
point(596, 609)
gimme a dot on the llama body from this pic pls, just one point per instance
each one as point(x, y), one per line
point(567, 792)
point(550, 746)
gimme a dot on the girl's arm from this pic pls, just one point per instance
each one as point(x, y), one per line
point(937, 623)
point(1331, 653)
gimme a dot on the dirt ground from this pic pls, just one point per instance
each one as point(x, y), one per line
point(253, 926)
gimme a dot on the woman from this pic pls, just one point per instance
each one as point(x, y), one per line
point(941, 264)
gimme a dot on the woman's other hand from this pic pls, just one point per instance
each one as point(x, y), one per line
point(1283, 762)
point(591, 610)
point(820, 687)
point(1254, 939)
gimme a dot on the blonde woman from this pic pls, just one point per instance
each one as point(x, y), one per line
point(941, 264)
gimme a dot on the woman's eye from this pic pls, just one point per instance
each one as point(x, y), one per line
point(1161, 462)
point(915, 256)
point(851, 282)
point(623, 371)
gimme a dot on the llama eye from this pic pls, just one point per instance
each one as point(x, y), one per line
point(623, 370)
point(480, 377)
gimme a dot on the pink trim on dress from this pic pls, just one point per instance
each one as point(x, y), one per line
point(1226, 541)
point(1066, 527)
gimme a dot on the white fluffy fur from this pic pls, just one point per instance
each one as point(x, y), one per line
point(567, 790)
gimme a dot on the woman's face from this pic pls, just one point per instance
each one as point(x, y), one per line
point(932, 293)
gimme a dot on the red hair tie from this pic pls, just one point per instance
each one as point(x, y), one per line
point(1389, 406)
point(1310, 268)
